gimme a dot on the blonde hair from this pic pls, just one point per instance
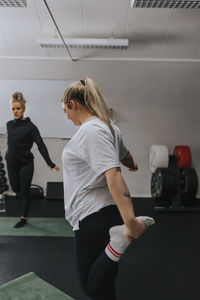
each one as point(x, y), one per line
point(87, 93)
point(18, 97)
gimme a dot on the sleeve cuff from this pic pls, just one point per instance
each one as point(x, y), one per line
point(107, 167)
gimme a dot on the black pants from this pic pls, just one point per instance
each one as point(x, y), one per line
point(97, 273)
point(20, 180)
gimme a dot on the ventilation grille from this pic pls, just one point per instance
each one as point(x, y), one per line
point(12, 3)
point(84, 43)
point(166, 4)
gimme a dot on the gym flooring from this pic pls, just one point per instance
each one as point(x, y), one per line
point(163, 264)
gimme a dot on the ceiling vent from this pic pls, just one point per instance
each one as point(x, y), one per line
point(165, 4)
point(12, 3)
point(84, 43)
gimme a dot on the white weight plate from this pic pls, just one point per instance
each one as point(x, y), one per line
point(159, 157)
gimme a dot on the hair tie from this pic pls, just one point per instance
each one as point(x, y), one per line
point(83, 82)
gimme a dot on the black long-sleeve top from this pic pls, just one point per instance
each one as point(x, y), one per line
point(21, 136)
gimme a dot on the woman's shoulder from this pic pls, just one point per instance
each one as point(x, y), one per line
point(28, 121)
point(10, 122)
point(96, 130)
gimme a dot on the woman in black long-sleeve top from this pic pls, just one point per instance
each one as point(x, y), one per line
point(22, 133)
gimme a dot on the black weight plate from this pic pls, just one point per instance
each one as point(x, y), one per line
point(189, 186)
point(1, 165)
point(153, 186)
point(165, 182)
point(2, 172)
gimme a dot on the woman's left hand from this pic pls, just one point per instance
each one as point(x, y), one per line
point(56, 168)
point(135, 229)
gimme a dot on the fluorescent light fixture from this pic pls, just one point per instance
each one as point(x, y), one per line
point(12, 3)
point(187, 4)
point(83, 43)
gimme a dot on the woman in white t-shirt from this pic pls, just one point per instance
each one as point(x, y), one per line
point(97, 200)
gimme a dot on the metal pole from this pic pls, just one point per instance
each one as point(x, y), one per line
point(65, 45)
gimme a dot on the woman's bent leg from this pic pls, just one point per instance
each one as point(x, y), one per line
point(97, 272)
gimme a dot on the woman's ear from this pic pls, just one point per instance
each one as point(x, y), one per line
point(73, 104)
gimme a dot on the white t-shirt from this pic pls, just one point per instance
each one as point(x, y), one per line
point(91, 151)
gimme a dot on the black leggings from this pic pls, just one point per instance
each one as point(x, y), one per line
point(97, 273)
point(20, 180)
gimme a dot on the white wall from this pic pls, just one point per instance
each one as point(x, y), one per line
point(157, 104)
point(43, 101)
point(153, 102)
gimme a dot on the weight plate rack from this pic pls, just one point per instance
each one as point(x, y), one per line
point(174, 188)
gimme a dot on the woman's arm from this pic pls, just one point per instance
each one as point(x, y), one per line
point(129, 162)
point(121, 195)
point(42, 148)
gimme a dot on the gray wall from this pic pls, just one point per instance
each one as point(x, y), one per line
point(153, 103)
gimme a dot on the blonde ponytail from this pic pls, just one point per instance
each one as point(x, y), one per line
point(87, 93)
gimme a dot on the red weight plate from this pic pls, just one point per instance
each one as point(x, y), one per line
point(183, 155)
point(188, 157)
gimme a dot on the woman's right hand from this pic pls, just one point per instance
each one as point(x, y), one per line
point(135, 229)
point(134, 168)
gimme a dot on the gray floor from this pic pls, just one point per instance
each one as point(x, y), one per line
point(164, 264)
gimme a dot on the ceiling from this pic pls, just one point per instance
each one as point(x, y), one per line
point(153, 34)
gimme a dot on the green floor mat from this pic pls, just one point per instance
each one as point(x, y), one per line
point(55, 227)
point(31, 287)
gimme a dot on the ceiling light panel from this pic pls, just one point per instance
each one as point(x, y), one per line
point(187, 4)
point(12, 3)
point(84, 43)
